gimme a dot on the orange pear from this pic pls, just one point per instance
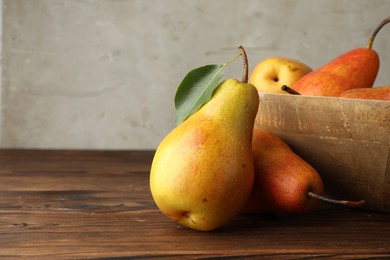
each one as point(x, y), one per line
point(283, 180)
point(377, 93)
point(357, 68)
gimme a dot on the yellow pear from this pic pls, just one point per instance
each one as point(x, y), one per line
point(272, 73)
point(203, 171)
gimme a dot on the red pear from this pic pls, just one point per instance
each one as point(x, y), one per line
point(283, 180)
point(377, 93)
point(357, 68)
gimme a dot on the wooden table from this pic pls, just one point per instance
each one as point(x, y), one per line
point(97, 204)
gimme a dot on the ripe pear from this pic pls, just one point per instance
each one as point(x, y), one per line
point(377, 93)
point(283, 179)
point(202, 172)
point(272, 73)
point(357, 68)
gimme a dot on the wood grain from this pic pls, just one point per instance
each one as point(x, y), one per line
point(97, 204)
point(346, 140)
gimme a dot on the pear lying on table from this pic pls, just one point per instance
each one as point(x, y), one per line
point(202, 172)
point(283, 179)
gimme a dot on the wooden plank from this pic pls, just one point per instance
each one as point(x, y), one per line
point(85, 204)
point(346, 140)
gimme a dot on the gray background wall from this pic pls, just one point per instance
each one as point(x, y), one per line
point(102, 74)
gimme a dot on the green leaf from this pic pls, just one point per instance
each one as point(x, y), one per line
point(196, 89)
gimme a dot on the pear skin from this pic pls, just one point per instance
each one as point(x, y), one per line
point(282, 178)
point(202, 173)
point(376, 93)
point(272, 73)
point(355, 69)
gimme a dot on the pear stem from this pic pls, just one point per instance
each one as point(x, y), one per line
point(347, 203)
point(290, 90)
point(246, 69)
point(377, 29)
